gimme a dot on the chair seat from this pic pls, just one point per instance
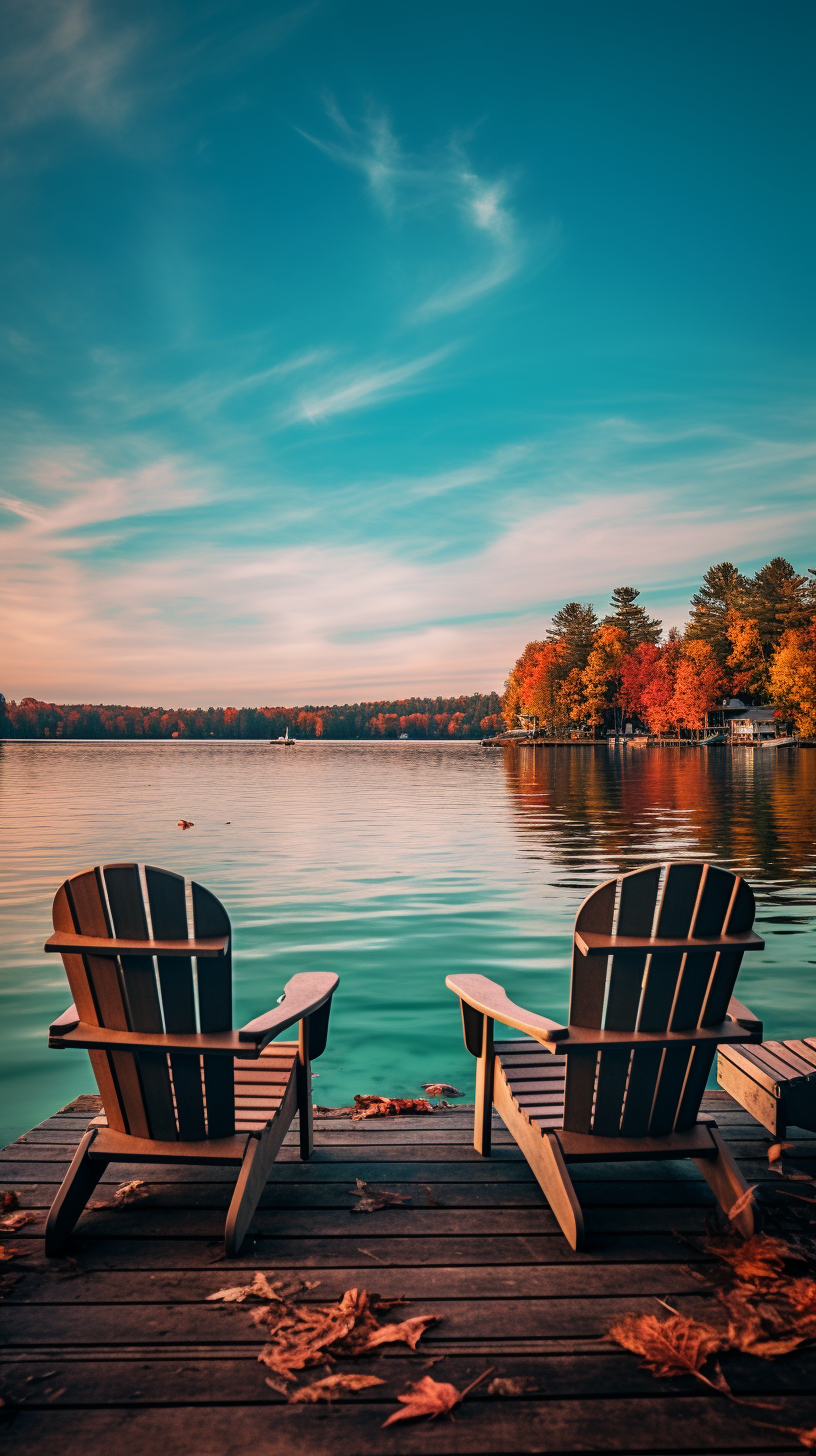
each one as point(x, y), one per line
point(260, 1085)
point(536, 1079)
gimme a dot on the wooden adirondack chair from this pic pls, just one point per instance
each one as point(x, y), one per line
point(655, 958)
point(178, 1084)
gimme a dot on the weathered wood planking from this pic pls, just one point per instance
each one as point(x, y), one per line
point(118, 1345)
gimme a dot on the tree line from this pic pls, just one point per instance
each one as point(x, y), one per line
point(748, 637)
point(440, 718)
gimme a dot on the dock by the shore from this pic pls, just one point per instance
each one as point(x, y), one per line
point(116, 1347)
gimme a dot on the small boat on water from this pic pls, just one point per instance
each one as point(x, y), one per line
point(712, 738)
point(286, 741)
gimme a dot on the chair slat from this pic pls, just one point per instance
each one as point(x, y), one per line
point(636, 913)
point(127, 910)
point(91, 918)
point(168, 913)
point(83, 997)
point(681, 894)
point(587, 994)
point(740, 916)
point(215, 1012)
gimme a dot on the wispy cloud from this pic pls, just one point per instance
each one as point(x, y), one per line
point(361, 387)
point(66, 58)
point(442, 184)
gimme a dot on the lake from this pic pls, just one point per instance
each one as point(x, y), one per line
point(393, 864)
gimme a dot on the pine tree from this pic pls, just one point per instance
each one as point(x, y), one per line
point(632, 619)
point(574, 626)
point(723, 590)
point(779, 600)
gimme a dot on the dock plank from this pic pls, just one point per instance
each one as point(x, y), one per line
point(119, 1344)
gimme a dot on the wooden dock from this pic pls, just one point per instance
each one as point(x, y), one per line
point(114, 1348)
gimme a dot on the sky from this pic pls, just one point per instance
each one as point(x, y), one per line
point(343, 342)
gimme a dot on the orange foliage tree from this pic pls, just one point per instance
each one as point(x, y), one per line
point(793, 678)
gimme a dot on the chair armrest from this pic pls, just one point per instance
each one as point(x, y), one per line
point(492, 1000)
point(302, 996)
point(65, 942)
point(743, 1017)
point(103, 1039)
point(67, 1022)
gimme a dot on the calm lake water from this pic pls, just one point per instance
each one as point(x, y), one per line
point(392, 864)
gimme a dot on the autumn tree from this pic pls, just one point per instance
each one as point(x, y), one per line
point(574, 628)
point(722, 591)
point(637, 670)
point(601, 676)
point(632, 619)
point(793, 678)
point(698, 683)
point(748, 662)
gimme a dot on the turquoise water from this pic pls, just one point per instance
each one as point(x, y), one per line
point(393, 864)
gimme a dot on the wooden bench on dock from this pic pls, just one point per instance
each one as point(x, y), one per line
point(775, 1081)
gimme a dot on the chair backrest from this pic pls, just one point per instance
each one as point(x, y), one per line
point(149, 1093)
point(643, 1088)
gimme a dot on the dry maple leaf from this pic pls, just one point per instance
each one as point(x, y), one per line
point(6, 1253)
point(237, 1293)
point(408, 1332)
point(372, 1106)
point(744, 1200)
point(805, 1437)
point(370, 1201)
point(328, 1388)
point(302, 1334)
point(776, 1150)
point(676, 1346)
point(760, 1257)
point(428, 1397)
point(14, 1221)
point(9, 1199)
point(511, 1385)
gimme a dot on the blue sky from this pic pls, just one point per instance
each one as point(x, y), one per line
point(343, 343)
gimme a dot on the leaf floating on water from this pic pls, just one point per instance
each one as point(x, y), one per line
point(429, 1397)
point(370, 1201)
point(328, 1388)
point(371, 1106)
point(676, 1346)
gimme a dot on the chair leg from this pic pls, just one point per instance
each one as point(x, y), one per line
point(728, 1185)
point(77, 1186)
point(303, 1073)
point(483, 1118)
point(259, 1156)
point(543, 1153)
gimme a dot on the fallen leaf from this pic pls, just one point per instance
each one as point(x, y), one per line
point(771, 1322)
point(441, 1089)
point(370, 1200)
point(14, 1221)
point(280, 1386)
point(371, 1106)
point(760, 1257)
point(805, 1437)
point(237, 1293)
point(676, 1346)
point(126, 1193)
point(186, 824)
point(328, 1388)
point(434, 1202)
point(409, 1332)
point(9, 1199)
point(511, 1385)
point(742, 1202)
point(776, 1150)
point(429, 1397)
point(7, 1253)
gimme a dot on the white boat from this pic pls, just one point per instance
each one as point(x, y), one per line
point(286, 741)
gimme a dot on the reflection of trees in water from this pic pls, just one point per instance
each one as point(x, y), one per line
point(592, 808)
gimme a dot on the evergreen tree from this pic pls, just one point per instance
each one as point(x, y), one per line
point(574, 626)
point(632, 619)
point(723, 590)
point(779, 600)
